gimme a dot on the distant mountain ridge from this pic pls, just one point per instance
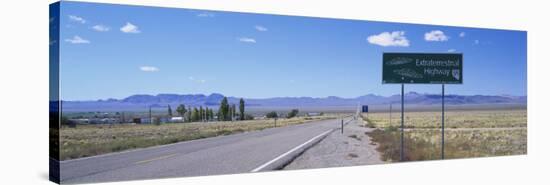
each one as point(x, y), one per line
point(143, 101)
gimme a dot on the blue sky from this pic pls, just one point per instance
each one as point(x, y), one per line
point(114, 51)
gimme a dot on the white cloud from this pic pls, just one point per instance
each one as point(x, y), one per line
point(435, 35)
point(201, 81)
point(451, 50)
point(130, 28)
point(101, 28)
point(396, 38)
point(462, 34)
point(476, 42)
point(77, 19)
point(260, 28)
point(205, 14)
point(77, 40)
point(247, 40)
point(148, 68)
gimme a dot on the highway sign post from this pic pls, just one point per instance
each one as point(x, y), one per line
point(342, 126)
point(422, 68)
point(390, 112)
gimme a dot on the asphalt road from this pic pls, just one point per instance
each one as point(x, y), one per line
point(254, 151)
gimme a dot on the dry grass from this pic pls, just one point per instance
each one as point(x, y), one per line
point(453, 119)
point(467, 134)
point(90, 140)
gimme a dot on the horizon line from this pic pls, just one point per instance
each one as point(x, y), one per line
point(208, 94)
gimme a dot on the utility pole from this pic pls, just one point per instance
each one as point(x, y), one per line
point(442, 121)
point(150, 115)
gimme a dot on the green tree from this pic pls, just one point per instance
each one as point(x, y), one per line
point(181, 110)
point(271, 114)
point(188, 114)
point(156, 120)
point(241, 109)
point(248, 117)
point(195, 115)
point(223, 111)
point(211, 114)
point(169, 111)
point(201, 114)
point(292, 113)
point(206, 113)
point(232, 113)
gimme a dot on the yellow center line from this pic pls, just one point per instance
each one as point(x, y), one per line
point(155, 159)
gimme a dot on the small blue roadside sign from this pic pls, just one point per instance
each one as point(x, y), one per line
point(365, 108)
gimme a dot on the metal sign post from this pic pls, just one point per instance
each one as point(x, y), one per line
point(443, 121)
point(390, 112)
point(342, 125)
point(402, 120)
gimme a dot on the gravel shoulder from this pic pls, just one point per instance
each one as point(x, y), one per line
point(351, 148)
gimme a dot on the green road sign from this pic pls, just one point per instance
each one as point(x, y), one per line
point(422, 68)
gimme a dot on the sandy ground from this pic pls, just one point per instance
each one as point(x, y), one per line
point(349, 149)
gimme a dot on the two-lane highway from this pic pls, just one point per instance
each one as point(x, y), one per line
point(263, 150)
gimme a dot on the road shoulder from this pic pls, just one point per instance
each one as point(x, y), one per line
point(351, 148)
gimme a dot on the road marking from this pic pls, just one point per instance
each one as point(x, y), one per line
point(290, 151)
point(155, 159)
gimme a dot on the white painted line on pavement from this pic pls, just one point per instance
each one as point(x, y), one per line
point(290, 151)
point(155, 159)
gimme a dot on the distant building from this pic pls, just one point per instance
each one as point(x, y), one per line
point(81, 121)
point(145, 120)
point(155, 120)
point(176, 119)
point(313, 114)
point(96, 121)
point(109, 120)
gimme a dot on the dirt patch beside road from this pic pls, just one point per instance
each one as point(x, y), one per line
point(351, 148)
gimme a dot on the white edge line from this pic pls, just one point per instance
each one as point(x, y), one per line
point(290, 151)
